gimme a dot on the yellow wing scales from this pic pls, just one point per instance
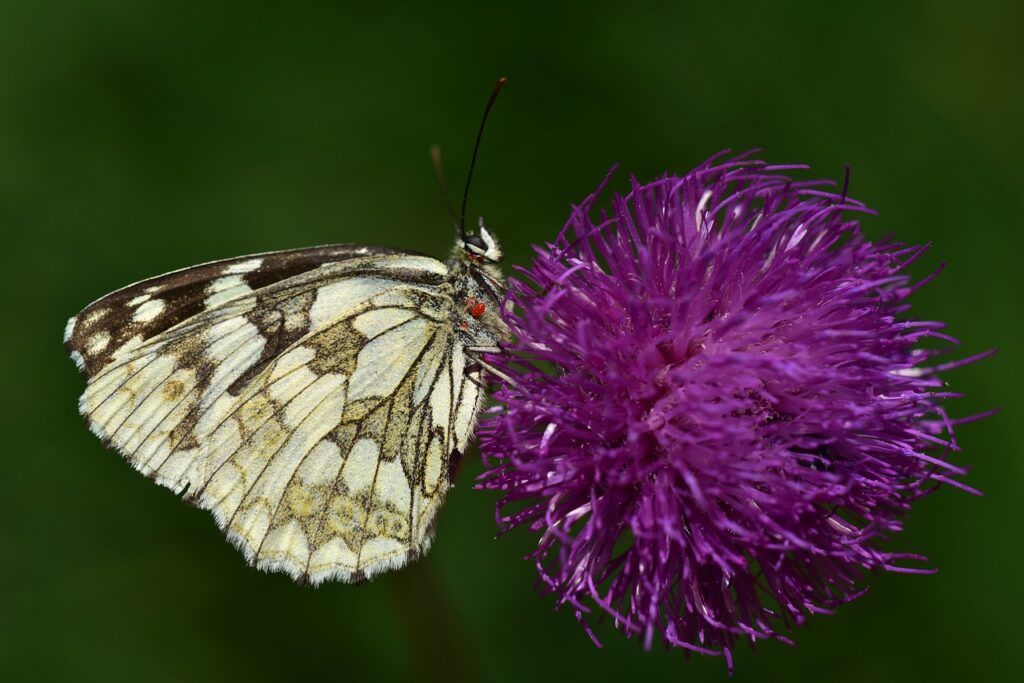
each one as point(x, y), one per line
point(315, 418)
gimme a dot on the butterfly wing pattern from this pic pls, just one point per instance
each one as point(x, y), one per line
point(315, 401)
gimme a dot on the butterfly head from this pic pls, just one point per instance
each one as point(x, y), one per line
point(482, 247)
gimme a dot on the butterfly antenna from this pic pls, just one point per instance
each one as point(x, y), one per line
point(476, 147)
point(435, 156)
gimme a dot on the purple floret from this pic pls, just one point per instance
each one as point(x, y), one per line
point(718, 406)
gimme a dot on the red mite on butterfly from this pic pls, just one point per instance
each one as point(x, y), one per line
point(475, 308)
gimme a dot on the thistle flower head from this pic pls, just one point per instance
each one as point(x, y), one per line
point(715, 407)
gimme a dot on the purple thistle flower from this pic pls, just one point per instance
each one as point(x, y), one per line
point(715, 407)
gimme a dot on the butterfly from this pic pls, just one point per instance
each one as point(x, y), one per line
point(317, 401)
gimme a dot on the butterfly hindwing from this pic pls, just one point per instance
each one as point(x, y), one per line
point(315, 417)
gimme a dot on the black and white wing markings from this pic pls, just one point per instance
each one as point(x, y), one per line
point(147, 308)
point(315, 418)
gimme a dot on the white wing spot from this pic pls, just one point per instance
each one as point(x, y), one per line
point(149, 310)
point(383, 362)
point(98, 342)
point(69, 329)
point(337, 298)
point(360, 465)
point(372, 323)
point(245, 266)
point(468, 400)
point(441, 399)
point(432, 466)
point(95, 316)
point(416, 263)
point(322, 464)
point(226, 282)
point(224, 289)
point(292, 360)
point(428, 368)
point(141, 299)
point(392, 485)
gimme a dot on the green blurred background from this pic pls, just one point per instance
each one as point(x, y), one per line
point(139, 136)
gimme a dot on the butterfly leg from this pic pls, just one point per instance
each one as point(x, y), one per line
point(480, 363)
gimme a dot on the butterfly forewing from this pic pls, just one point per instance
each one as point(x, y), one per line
point(316, 416)
point(149, 307)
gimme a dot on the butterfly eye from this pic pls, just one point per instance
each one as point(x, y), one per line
point(475, 244)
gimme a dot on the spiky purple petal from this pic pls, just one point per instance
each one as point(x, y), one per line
point(718, 406)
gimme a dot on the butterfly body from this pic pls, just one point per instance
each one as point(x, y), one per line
point(316, 401)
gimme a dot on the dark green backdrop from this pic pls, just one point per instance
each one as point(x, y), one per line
point(139, 136)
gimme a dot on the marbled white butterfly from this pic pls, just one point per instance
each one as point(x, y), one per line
point(316, 401)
